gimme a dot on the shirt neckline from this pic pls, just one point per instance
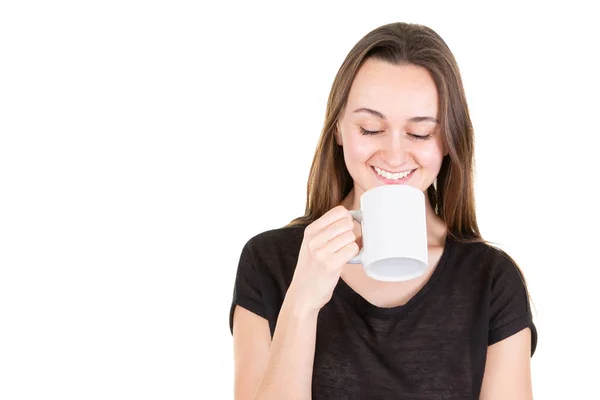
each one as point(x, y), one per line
point(367, 307)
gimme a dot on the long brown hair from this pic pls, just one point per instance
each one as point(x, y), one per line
point(452, 194)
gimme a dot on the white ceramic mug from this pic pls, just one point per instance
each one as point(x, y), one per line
point(394, 233)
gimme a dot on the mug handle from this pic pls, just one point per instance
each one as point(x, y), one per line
point(357, 216)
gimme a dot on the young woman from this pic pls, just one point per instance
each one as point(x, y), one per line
point(306, 325)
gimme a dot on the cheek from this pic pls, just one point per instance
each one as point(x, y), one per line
point(430, 155)
point(359, 149)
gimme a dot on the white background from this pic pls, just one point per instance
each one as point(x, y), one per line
point(143, 143)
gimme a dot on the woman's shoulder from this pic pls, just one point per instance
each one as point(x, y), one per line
point(274, 253)
point(487, 256)
point(277, 239)
point(480, 251)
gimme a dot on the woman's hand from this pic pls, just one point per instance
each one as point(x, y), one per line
point(328, 244)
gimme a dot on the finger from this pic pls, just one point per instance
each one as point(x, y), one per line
point(332, 231)
point(345, 254)
point(339, 242)
point(329, 217)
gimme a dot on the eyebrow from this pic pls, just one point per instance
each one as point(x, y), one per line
point(381, 116)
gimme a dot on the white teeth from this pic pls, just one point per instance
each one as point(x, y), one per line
point(389, 175)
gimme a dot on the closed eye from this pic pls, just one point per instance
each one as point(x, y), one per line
point(417, 137)
point(366, 132)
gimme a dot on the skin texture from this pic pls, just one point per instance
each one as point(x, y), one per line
point(398, 93)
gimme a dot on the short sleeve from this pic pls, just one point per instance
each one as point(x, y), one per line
point(510, 311)
point(247, 290)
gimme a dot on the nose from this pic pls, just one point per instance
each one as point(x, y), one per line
point(395, 149)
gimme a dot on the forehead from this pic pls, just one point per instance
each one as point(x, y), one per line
point(397, 91)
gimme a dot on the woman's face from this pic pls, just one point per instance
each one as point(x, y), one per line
point(397, 102)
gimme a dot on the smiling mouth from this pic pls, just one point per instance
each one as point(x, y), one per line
point(388, 178)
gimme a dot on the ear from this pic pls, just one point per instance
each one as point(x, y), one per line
point(337, 134)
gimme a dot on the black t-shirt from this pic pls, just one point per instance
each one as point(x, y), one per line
point(433, 347)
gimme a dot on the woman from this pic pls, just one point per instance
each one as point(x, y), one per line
point(308, 325)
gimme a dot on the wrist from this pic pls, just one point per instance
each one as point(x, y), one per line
point(298, 308)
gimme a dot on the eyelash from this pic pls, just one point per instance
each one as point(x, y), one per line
point(366, 132)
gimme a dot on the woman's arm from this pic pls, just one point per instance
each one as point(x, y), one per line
point(251, 343)
point(283, 370)
point(507, 369)
point(328, 244)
